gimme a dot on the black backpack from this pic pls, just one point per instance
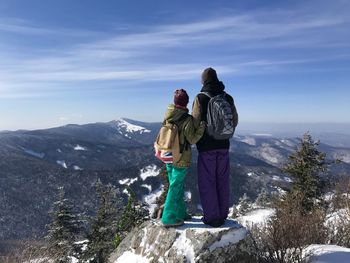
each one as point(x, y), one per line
point(219, 117)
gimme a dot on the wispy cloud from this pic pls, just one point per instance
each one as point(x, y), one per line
point(168, 52)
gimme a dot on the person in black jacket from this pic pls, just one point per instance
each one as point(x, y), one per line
point(213, 158)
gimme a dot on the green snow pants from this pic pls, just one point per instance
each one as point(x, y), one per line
point(174, 207)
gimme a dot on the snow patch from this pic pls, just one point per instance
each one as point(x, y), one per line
point(149, 171)
point(151, 199)
point(327, 254)
point(270, 154)
point(149, 187)
point(184, 247)
point(62, 163)
point(249, 140)
point(80, 148)
point(131, 257)
point(231, 237)
point(77, 168)
point(34, 153)
point(258, 216)
point(125, 128)
point(282, 178)
point(128, 181)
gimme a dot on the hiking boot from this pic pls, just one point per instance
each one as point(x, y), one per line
point(216, 223)
point(187, 217)
point(177, 223)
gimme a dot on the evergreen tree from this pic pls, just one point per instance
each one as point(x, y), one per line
point(263, 198)
point(63, 231)
point(234, 213)
point(305, 167)
point(134, 214)
point(244, 204)
point(104, 224)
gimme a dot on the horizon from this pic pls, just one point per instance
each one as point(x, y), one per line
point(86, 62)
point(250, 128)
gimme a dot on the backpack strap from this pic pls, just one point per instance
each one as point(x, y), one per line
point(206, 94)
point(210, 96)
point(178, 124)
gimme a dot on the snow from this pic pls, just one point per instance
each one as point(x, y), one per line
point(196, 224)
point(128, 181)
point(231, 237)
point(327, 254)
point(270, 154)
point(125, 128)
point(249, 140)
point(149, 187)
point(62, 163)
point(59, 150)
point(283, 178)
point(77, 168)
point(149, 171)
point(151, 199)
point(184, 247)
point(80, 148)
point(130, 257)
point(258, 216)
point(34, 153)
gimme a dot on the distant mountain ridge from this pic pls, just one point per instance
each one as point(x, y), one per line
point(34, 163)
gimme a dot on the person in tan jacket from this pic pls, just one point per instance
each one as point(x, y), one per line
point(174, 212)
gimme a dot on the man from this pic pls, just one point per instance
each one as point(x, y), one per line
point(213, 158)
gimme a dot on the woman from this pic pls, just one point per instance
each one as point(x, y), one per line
point(174, 212)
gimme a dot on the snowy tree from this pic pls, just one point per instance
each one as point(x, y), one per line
point(305, 167)
point(263, 198)
point(104, 224)
point(244, 204)
point(64, 230)
point(234, 213)
point(134, 214)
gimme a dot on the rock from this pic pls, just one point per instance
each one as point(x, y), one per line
point(192, 242)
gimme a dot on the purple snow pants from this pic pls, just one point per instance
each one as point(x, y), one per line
point(214, 184)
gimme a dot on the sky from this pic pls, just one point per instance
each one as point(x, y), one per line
point(86, 61)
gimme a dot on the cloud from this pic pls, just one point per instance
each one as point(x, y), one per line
point(170, 52)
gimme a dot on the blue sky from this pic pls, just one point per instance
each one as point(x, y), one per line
point(88, 61)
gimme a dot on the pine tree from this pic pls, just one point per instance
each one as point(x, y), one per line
point(104, 224)
point(244, 204)
point(134, 214)
point(234, 213)
point(263, 198)
point(305, 167)
point(64, 230)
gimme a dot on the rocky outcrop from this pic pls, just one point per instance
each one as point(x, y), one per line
point(192, 242)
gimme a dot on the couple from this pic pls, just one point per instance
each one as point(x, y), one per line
point(213, 159)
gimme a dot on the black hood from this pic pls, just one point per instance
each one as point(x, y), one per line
point(214, 87)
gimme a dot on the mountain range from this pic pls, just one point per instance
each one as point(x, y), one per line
point(34, 163)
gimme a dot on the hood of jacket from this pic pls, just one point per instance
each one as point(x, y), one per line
point(174, 113)
point(214, 88)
